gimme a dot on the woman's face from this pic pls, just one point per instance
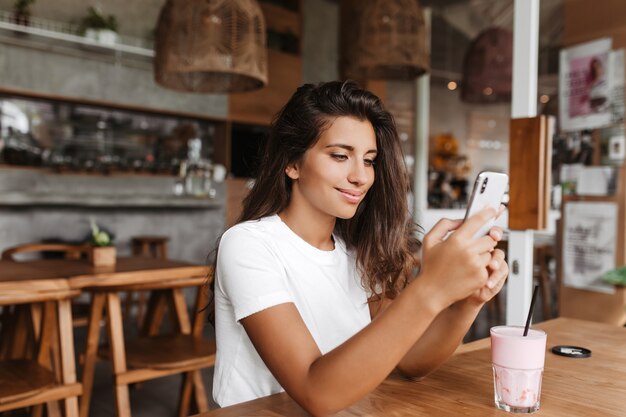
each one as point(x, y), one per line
point(335, 174)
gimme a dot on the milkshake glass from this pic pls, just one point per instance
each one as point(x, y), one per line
point(517, 367)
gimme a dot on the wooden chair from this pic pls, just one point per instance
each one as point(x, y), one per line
point(35, 379)
point(70, 251)
point(151, 355)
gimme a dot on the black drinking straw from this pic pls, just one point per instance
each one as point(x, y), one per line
point(530, 310)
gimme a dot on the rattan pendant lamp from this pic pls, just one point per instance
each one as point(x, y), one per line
point(383, 39)
point(488, 67)
point(211, 46)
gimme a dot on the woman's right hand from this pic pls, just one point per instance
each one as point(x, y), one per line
point(454, 268)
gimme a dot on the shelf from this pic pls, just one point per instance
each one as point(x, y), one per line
point(31, 199)
point(50, 33)
point(42, 188)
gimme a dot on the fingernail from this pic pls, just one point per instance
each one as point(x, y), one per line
point(497, 234)
point(495, 264)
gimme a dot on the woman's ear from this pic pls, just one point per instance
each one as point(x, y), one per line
point(292, 171)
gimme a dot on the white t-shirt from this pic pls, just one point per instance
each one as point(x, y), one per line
point(263, 263)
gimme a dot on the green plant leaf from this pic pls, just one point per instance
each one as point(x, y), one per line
point(616, 276)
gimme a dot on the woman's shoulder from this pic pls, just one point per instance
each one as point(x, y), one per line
point(259, 230)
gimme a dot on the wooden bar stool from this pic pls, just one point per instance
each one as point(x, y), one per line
point(154, 246)
point(36, 379)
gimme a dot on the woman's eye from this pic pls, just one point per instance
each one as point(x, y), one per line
point(369, 162)
point(339, 157)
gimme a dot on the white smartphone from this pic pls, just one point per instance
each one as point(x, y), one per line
point(489, 188)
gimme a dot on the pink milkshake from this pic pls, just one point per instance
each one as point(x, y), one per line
point(517, 367)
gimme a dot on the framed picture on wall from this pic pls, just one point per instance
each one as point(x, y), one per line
point(585, 85)
point(589, 242)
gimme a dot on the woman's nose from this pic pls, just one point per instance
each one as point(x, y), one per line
point(358, 173)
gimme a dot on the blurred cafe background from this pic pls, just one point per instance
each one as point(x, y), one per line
point(146, 119)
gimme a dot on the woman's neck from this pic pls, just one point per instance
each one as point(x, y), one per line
point(314, 229)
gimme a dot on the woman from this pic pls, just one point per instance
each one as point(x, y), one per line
point(316, 291)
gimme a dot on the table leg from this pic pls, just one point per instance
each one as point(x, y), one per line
point(46, 333)
point(91, 353)
point(118, 352)
point(68, 367)
point(154, 314)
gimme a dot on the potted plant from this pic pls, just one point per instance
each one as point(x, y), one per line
point(21, 11)
point(102, 251)
point(99, 27)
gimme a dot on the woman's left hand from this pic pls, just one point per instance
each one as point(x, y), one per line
point(498, 272)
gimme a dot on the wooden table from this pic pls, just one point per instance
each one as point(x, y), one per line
point(464, 385)
point(80, 274)
point(105, 282)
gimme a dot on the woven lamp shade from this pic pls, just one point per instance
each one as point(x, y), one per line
point(488, 68)
point(382, 39)
point(211, 46)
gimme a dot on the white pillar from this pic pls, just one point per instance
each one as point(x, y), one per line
point(520, 283)
point(420, 166)
point(422, 120)
point(524, 104)
point(525, 58)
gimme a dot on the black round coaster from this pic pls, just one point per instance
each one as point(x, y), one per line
point(571, 351)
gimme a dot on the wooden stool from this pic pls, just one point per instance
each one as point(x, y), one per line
point(154, 246)
point(47, 374)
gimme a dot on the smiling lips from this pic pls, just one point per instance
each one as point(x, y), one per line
point(353, 196)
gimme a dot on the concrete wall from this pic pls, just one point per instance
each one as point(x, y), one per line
point(192, 229)
point(63, 69)
point(192, 232)
point(136, 18)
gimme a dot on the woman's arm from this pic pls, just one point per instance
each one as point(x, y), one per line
point(446, 332)
point(448, 329)
point(324, 384)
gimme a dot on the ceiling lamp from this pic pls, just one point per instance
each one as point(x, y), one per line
point(488, 67)
point(211, 46)
point(382, 39)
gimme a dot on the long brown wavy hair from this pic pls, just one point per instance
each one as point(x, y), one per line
point(382, 232)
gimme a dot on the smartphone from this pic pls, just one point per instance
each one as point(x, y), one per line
point(489, 188)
